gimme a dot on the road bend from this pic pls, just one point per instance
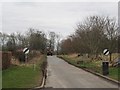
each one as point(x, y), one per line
point(60, 74)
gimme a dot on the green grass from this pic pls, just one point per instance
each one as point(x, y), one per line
point(95, 66)
point(114, 73)
point(0, 79)
point(22, 76)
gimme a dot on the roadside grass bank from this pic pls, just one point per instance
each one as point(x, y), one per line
point(92, 65)
point(24, 76)
point(0, 79)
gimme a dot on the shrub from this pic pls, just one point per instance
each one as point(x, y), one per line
point(20, 55)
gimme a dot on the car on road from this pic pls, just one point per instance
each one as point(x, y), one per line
point(49, 52)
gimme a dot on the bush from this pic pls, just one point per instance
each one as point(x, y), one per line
point(20, 55)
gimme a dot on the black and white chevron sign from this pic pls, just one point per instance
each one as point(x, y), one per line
point(26, 50)
point(106, 52)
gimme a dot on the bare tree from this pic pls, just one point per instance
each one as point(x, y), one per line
point(3, 39)
point(111, 30)
point(36, 40)
point(92, 36)
point(52, 40)
point(58, 37)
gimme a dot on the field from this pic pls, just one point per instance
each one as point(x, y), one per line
point(94, 65)
point(25, 75)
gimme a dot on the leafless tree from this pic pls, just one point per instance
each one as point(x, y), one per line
point(92, 36)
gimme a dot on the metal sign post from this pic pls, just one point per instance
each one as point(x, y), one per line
point(105, 64)
point(26, 58)
point(26, 51)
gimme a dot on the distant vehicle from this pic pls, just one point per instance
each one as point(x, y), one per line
point(49, 51)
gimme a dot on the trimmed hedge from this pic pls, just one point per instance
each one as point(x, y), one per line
point(21, 56)
point(6, 59)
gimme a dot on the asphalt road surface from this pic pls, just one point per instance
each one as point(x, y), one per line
point(63, 75)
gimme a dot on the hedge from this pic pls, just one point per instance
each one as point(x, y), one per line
point(6, 59)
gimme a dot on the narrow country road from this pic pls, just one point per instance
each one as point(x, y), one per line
point(63, 75)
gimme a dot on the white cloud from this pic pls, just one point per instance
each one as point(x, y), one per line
point(58, 17)
point(59, 0)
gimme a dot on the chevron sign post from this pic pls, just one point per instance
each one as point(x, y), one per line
point(26, 51)
point(105, 64)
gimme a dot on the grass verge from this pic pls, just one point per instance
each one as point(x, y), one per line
point(26, 76)
point(96, 66)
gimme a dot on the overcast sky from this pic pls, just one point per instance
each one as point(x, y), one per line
point(60, 17)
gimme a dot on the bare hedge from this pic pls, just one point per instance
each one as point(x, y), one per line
point(6, 59)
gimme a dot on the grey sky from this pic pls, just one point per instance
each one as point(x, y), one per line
point(60, 17)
